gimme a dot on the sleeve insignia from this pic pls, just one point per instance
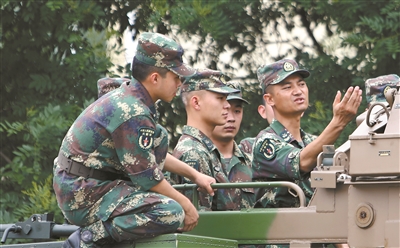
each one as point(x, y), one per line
point(146, 138)
point(267, 149)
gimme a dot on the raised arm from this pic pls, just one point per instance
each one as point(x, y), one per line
point(344, 111)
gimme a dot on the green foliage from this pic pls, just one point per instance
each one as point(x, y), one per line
point(368, 35)
point(41, 199)
point(53, 52)
point(39, 140)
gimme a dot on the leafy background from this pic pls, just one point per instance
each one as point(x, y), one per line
point(53, 53)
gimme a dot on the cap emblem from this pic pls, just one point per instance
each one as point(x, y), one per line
point(288, 66)
point(159, 57)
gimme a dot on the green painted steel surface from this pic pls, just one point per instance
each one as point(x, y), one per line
point(178, 240)
point(243, 226)
point(175, 240)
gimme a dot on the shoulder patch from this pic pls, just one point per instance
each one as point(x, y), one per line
point(146, 138)
point(267, 149)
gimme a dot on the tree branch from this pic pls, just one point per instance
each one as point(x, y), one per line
point(303, 16)
point(5, 157)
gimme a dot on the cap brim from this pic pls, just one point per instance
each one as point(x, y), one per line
point(236, 98)
point(303, 73)
point(223, 90)
point(183, 70)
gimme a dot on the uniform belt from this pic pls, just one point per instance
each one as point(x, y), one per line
point(78, 169)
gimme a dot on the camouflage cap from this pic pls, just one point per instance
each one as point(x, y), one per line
point(276, 72)
point(237, 95)
point(105, 85)
point(206, 79)
point(375, 88)
point(161, 51)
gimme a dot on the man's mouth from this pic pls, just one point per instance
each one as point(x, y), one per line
point(229, 128)
point(299, 100)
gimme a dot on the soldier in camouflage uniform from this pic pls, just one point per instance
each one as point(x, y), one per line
point(283, 151)
point(107, 177)
point(236, 164)
point(267, 113)
point(204, 96)
point(105, 85)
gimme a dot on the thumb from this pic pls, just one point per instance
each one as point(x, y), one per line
point(337, 98)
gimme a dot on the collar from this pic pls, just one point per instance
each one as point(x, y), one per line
point(140, 92)
point(237, 152)
point(200, 136)
point(280, 130)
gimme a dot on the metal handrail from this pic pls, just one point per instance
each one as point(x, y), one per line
point(290, 185)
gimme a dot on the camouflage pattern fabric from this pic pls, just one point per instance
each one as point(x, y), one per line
point(239, 170)
point(276, 157)
point(198, 151)
point(246, 146)
point(375, 88)
point(276, 72)
point(235, 95)
point(206, 79)
point(161, 51)
point(105, 85)
point(118, 133)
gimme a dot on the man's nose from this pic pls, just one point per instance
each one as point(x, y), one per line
point(230, 117)
point(226, 105)
point(297, 90)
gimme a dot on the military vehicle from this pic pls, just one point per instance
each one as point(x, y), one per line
point(356, 201)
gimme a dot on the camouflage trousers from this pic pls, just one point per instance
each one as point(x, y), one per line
point(139, 215)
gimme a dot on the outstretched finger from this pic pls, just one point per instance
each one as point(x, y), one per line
point(338, 96)
point(348, 94)
point(356, 97)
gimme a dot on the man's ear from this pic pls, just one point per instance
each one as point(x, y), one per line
point(261, 111)
point(154, 77)
point(195, 102)
point(269, 99)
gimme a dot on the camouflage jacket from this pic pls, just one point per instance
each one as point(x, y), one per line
point(246, 146)
point(117, 133)
point(276, 157)
point(197, 150)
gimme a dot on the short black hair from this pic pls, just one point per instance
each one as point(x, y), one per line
point(140, 71)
